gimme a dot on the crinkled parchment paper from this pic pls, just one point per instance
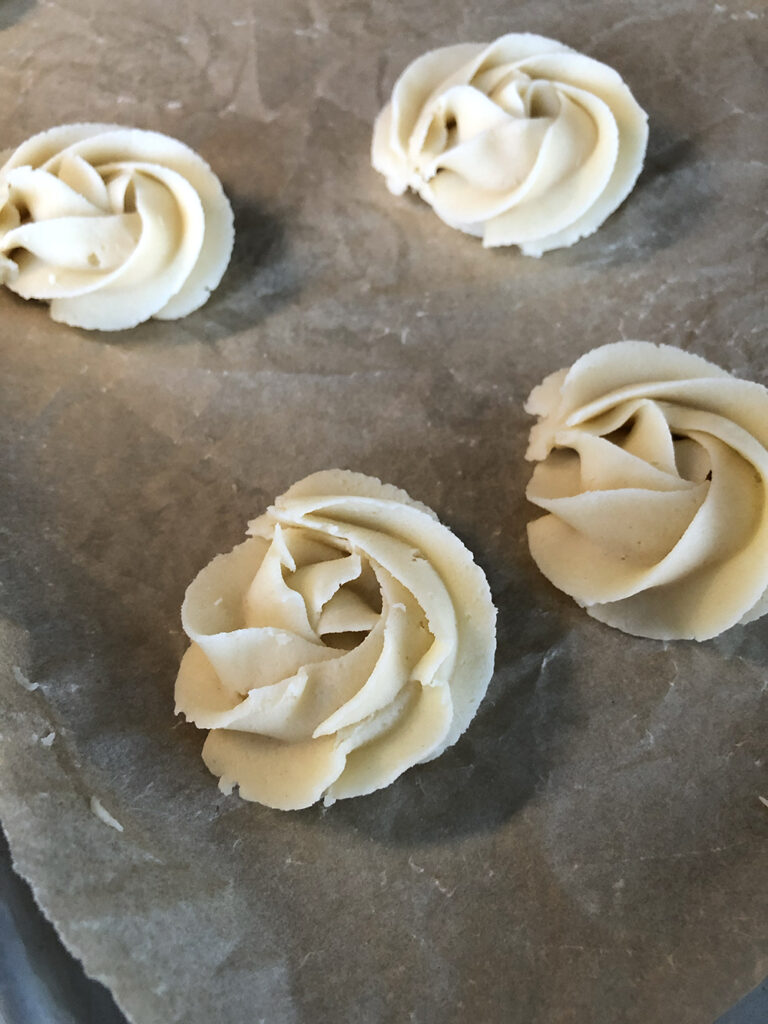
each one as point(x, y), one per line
point(594, 848)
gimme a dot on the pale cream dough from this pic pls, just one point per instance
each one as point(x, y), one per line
point(653, 472)
point(112, 225)
point(351, 637)
point(522, 141)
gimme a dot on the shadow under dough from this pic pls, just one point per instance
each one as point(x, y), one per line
point(672, 194)
point(12, 11)
point(261, 277)
point(495, 767)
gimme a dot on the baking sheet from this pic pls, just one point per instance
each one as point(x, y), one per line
point(40, 982)
point(594, 846)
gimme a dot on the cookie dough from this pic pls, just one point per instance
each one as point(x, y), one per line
point(652, 467)
point(522, 141)
point(112, 226)
point(349, 638)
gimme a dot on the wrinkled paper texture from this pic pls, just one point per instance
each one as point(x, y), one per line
point(593, 848)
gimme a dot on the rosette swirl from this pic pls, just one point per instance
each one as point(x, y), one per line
point(112, 225)
point(349, 638)
point(522, 141)
point(653, 469)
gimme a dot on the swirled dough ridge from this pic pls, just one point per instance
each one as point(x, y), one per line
point(349, 638)
point(112, 225)
point(653, 472)
point(522, 141)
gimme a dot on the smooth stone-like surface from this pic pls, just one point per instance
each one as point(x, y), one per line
point(593, 847)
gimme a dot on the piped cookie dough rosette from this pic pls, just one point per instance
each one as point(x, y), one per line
point(653, 472)
point(522, 141)
point(112, 225)
point(351, 637)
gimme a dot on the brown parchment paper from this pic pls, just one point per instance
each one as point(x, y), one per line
point(593, 850)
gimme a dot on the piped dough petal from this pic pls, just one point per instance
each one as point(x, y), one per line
point(286, 776)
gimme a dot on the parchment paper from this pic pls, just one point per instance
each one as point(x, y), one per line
point(593, 850)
